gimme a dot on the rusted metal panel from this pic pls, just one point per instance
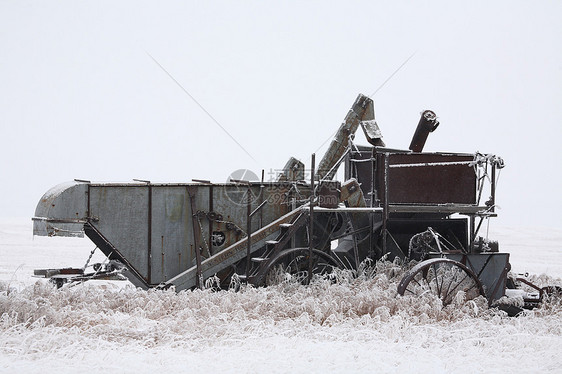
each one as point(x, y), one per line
point(413, 178)
point(427, 178)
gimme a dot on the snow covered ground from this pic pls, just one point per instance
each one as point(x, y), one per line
point(357, 325)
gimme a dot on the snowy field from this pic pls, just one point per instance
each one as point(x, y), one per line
point(354, 326)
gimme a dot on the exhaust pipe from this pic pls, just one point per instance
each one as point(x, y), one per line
point(428, 123)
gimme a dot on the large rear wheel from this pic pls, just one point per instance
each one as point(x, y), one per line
point(443, 278)
point(295, 263)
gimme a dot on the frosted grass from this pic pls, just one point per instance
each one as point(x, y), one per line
point(269, 328)
point(352, 326)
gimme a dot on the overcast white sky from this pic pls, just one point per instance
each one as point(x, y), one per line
point(81, 98)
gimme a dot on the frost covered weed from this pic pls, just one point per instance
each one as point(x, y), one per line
point(357, 301)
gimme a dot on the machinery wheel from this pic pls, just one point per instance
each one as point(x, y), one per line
point(295, 262)
point(442, 277)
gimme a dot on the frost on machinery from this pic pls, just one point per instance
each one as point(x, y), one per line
point(426, 207)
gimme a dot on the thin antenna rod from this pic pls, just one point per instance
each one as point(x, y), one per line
point(200, 106)
point(373, 94)
point(392, 75)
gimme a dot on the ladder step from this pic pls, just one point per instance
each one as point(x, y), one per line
point(246, 279)
point(270, 244)
point(284, 227)
point(259, 259)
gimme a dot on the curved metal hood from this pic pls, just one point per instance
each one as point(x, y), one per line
point(62, 211)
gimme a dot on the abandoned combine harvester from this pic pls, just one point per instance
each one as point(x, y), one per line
point(393, 203)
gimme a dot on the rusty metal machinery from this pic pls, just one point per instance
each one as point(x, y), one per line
point(425, 206)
